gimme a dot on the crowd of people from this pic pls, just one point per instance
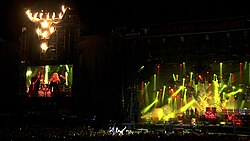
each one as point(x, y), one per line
point(89, 134)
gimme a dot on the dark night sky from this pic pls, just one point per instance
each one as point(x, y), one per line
point(109, 13)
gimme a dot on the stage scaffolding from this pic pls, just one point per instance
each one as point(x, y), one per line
point(224, 40)
point(63, 46)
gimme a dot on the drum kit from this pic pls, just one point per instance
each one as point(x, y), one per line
point(44, 91)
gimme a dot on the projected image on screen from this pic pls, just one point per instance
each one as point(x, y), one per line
point(49, 81)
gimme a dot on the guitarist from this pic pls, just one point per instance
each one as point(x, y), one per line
point(35, 84)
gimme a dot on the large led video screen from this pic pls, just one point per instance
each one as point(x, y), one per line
point(49, 81)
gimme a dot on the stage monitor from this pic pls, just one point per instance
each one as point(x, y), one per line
point(49, 81)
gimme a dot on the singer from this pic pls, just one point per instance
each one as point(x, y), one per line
point(35, 84)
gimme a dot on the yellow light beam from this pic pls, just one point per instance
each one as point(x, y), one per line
point(180, 88)
point(185, 107)
point(145, 110)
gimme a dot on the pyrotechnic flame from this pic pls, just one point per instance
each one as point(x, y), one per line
point(44, 46)
point(47, 22)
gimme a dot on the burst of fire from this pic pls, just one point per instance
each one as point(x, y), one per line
point(47, 23)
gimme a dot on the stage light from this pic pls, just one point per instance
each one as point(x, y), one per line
point(28, 73)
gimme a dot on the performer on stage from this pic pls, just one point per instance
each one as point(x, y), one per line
point(54, 85)
point(35, 84)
